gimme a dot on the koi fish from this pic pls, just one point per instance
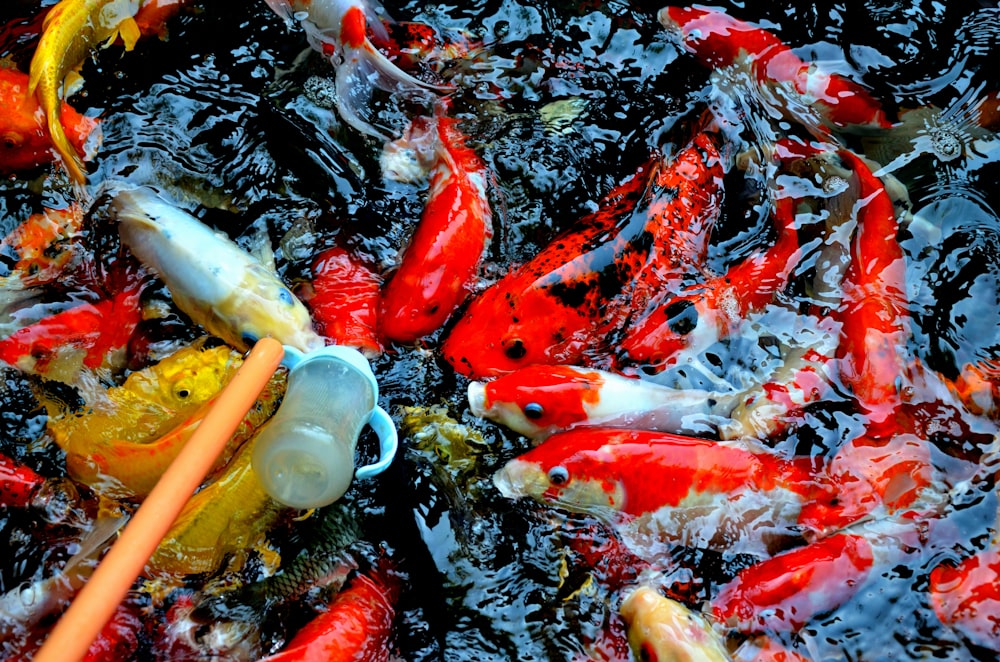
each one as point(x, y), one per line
point(874, 314)
point(344, 300)
point(325, 564)
point(663, 629)
point(666, 488)
point(26, 141)
point(699, 316)
point(554, 308)
point(183, 636)
point(342, 30)
point(226, 517)
point(119, 638)
point(719, 40)
point(43, 246)
point(88, 335)
point(72, 29)
point(357, 625)
point(978, 387)
point(23, 487)
point(788, 590)
point(866, 474)
point(439, 265)
point(539, 400)
point(966, 596)
point(209, 276)
point(766, 649)
point(22, 608)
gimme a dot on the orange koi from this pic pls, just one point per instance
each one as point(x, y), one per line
point(23, 487)
point(663, 629)
point(344, 300)
point(719, 40)
point(702, 314)
point(439, 266)
point(43, 245)
point(788, 590)
point(25, 141)
point(357, 625)
point(86, 335)
point(966, 597)
point(875, 313)
point(665, 487)
point(557, 308)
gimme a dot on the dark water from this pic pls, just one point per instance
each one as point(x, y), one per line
point(218, 115)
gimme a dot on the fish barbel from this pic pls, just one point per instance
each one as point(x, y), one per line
point(210, 278)
point(71, 30)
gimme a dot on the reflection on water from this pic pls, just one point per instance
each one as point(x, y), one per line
point(563, 101)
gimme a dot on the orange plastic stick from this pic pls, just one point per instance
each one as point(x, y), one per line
point(97, 601)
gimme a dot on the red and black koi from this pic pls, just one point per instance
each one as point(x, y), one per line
point(558, 307)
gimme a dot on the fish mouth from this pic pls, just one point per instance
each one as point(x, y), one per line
point(518, 479)
point(477, 398)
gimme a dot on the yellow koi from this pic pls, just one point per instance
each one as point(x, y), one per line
point(126, 437)
point(72, 29)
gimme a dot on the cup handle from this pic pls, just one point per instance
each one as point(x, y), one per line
point(388, 439)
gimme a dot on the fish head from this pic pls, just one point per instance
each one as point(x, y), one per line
point(187, 378)
point(663, 629)
point(24, 138)
point(670, 324)
point(537, 400)
point(570, 471)
point(263, 306)
point(509, 327)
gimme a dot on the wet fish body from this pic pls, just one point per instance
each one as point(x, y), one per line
point(539, 400)
point(72, 29)
point(344, 300)
point(440, 264)
point(27, 141)
point(659, 488)
point(663, 629)
point(209, 277)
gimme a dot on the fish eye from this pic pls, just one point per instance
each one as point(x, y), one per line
point(12, 140)
point(682, 317)
point(285, 297)
point(558, 475)
point(534, 411)
point(516, 350)
point(182, 393)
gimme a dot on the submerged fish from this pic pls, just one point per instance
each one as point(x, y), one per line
point(25, 139)
point(966, 596)
point(439, 265)
point(210, 278)
point(23, 487)
point(663, 629)
point(342, 30)
point(357, 626)
point(344, 300)
point(72, 29)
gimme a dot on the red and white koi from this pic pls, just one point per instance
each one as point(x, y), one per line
point(357, 626)
point(343, 298)
point(966, 596)
point(720, 40)
point(343, 31)
point(439, 266)
point(702, 314)
point(558, 308)
point(658, 488)
point(539, 400)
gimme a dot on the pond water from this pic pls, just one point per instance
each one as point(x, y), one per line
point(562, 101)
